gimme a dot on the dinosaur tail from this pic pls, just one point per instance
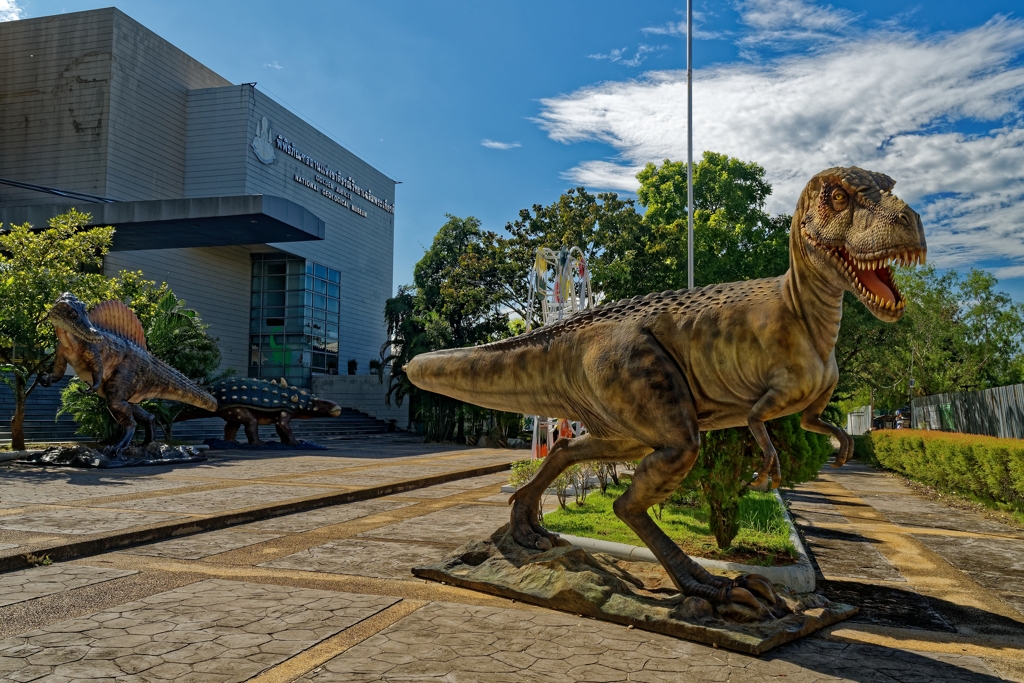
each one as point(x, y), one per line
point(176, 387)
point(496, 376)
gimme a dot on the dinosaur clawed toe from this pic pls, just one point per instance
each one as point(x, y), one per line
point(758, 585)
point(526, 529)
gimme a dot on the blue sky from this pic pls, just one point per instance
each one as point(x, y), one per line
point(485, 108)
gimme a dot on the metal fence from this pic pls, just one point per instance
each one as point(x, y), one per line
point(858, 421)
point(995, 412)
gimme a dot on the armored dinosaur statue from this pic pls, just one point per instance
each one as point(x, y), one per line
point(648, 374)
point(107, 349)
point(253, 402)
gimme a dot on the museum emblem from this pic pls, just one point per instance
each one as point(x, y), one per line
point(263, 144)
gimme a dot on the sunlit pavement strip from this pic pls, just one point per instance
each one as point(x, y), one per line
point(326, 595)
point(68, 512)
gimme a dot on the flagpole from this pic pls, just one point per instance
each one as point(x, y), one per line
point(689, 144)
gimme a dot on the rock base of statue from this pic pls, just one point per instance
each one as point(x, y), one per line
point(637, 594)
point(83, 456)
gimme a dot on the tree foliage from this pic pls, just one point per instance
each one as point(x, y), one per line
point(958, 334)
point(36, 266)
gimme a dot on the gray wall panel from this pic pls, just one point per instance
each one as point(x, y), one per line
point(214, 281)
point(150, 80)
point(55, 104)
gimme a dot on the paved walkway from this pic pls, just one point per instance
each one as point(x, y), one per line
point(326, 595)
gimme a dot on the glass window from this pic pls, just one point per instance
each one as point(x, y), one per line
point(294, 335)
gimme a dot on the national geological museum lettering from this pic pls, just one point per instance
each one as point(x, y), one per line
point(344, 198)
point(330, 183)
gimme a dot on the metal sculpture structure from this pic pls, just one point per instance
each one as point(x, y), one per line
point(106, 346)
point(247, 402)
point(560, 284)
point(648, 374)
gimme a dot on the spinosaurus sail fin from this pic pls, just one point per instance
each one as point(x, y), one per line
point(113, 316)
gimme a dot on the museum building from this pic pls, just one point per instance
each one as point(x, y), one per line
point(281, 238)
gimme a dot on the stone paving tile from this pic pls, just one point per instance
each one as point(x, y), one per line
point(256, 468)
point(454, 525)
point(996, 564)
point(335, 514)
point(379, 475)
point(28, 584)
point(8, 546)
point(80, 520)
point(362, 557)
point(453, 487)
point(450, 642)
point(221, 500)
point(35, 486)
point(845, 555)
point(211, 632)
point(198, 546)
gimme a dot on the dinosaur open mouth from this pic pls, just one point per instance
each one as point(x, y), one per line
point(873, 277)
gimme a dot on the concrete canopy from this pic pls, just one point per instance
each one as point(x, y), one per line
point(190, 222)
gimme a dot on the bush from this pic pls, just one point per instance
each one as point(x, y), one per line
point(981, 467)
point(728, 459)
point(864, 451)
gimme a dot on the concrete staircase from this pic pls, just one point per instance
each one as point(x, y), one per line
point(44, 402)
point(40, 409)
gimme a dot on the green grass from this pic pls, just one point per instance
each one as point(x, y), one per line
point(763, 538)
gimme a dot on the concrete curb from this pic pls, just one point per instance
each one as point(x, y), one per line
point(798, 577)
point(159, 532)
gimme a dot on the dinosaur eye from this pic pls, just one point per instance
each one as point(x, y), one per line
point(839, 199)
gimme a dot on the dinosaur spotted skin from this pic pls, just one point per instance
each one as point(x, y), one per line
point(248, 402)
point(107, 349)
point(648, 374)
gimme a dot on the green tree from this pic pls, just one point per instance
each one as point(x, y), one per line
point(958, 334)
point(455, 301)
point(36, 266)
point(576, 219)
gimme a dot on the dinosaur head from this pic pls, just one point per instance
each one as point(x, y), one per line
point(324, 407)
point(852, 228)
point(69, 314)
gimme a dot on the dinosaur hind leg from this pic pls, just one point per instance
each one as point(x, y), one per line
point(148, 421)
point(658, 475)
point(526, 502)
point(122, 412)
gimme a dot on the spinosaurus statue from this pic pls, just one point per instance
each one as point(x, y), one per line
point(647, 375)
point(107, 349)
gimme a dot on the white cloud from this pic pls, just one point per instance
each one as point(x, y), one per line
point(494, 144)
point(618, 55)
point(9, 11)
point(775, 22)
point(881, 100)
point(269, 65)
point(677, 29)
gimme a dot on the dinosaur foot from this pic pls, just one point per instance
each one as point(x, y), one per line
point(527, 530)
point(751, 598)
point(844, 454)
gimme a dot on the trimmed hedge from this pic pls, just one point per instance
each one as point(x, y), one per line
point(982, 467)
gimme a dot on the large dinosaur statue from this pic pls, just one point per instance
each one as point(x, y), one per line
point(107, 349)
point(647, 375)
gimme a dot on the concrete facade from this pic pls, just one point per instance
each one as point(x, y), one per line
point(94, 102)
